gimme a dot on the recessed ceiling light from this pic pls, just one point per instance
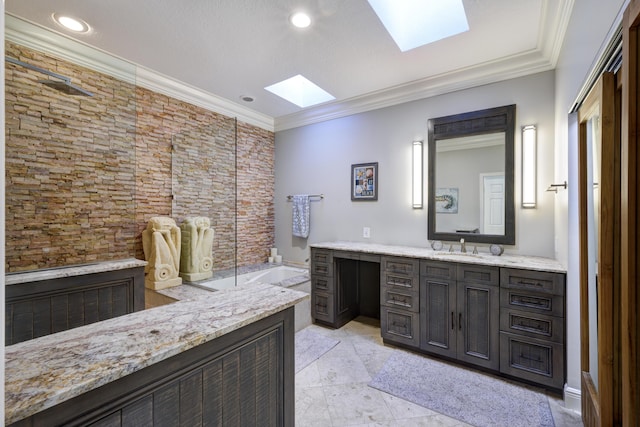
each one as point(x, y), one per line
point(300, 91)
point(300, 20)
point(247, 98)
point(414, 23)
point(70, 23)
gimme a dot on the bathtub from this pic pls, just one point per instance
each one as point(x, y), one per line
point(273, 276)
point(282, 275)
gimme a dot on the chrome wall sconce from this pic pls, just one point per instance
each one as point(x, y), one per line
point(417, 175)
point(529, 166)
point(555, 187)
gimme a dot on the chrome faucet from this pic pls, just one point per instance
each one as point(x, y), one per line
point(463, 247)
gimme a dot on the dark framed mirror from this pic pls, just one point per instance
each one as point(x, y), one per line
point(471, 176)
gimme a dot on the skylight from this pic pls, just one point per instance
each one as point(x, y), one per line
point(300, 91)
point(413, 23)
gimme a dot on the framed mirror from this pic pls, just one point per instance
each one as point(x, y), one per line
point(471, 176)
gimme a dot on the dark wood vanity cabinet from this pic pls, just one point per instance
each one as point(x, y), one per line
point(532, 326)
point(322, 286)
point(460, 312)
point(343, 286)
point(400, 300)
point(502, 319)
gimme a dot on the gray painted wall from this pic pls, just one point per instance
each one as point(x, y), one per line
point(317, 159)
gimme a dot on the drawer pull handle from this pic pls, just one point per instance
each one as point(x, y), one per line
point(532, 302)
point(400, 325)
point(533, 325)
point(527, 283)
point(404, 283)
point(460, 321)
point(533, 359)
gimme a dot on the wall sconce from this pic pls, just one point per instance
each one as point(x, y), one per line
point(529, 152)
point(417, 175)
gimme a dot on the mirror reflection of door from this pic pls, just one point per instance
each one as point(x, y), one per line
point(460, 163)
point(492, 206)
point(599, 189)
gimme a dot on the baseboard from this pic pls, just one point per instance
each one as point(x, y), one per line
point(572, 399)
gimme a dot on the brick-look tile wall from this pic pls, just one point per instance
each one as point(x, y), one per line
point(70, 167)
point(199, 172)
point(84, 175)
point(256, 163)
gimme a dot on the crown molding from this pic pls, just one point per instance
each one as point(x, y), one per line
point(492, 72)
point(543, 58)
point(554, 28)
point(42, 39)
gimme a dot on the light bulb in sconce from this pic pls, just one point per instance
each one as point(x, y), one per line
point(529, 153)
point(417, 175)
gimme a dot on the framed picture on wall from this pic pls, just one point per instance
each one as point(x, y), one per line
point(446, 200)
point(364, 181)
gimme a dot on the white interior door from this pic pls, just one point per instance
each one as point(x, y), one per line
point(492, 208)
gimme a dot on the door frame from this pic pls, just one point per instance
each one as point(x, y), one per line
point(598, 405)
point(630, 227)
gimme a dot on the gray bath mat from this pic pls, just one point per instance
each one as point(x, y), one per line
point(467, 395)
point(310, 346)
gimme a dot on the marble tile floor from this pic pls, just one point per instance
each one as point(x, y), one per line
point(333, 391)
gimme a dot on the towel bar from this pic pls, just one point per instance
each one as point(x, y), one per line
point(310, 195)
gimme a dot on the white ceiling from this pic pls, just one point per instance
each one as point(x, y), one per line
point(232, 48)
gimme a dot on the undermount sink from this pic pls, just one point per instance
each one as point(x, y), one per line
point(456, 254)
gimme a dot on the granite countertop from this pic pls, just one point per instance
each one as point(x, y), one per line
point(45, 371)
point(69, 271)
point(505, 260)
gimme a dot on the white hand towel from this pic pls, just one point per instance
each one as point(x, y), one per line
point(301, 215)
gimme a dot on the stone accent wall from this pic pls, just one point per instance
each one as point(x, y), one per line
point(187, 168)
point(70, 167)
point(84, 175)
point(256, 212)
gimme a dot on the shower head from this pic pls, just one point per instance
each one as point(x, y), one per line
point(66, 87)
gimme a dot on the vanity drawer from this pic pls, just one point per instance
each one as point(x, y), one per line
point(531, 359)
point(322, 256)
point(322, 269)
point(438, 270)
point(399, 326)
point(551, 305)
point(322, 307)
point(536, 281)
point(408, 283)
point(405, 266)
point(322, 284)
point(321, 262)
point(400, 298)
point(532, 325)
point(479, 274)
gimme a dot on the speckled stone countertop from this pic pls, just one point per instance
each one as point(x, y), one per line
point(482, 258)
point(45, 371)
point(69, 271)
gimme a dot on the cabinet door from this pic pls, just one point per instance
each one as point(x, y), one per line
point(438, 316)
point(478, 324)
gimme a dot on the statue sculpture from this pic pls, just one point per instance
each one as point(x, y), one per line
point(196, 261)
point(161, 245)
